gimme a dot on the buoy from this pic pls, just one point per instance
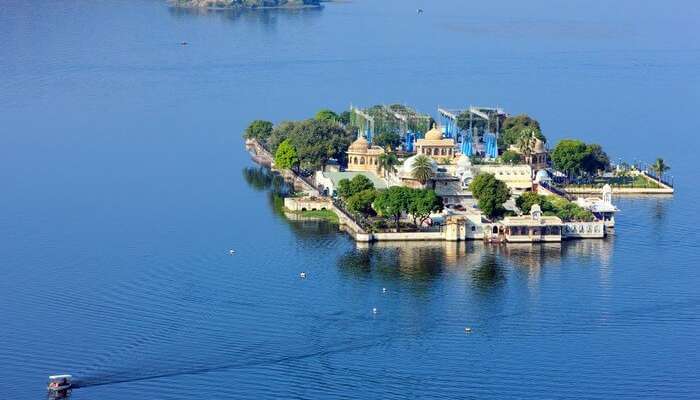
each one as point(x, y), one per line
point(183, 43)
point(232, 252)
point(383, 290)
point(420, 11)
point(374, 310)
point(302, 275)
point(467, 330)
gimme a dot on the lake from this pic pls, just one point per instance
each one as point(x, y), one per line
point(125, 183)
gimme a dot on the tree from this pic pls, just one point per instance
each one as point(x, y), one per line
point(315, 141)
point(387, 139)
point(659, 167)
point(514, 127)
point(568, 155)
point(490, 193)
point(286, 156)
point(510, 157)
point(393, 202)
point(422, 169)
point(573, 212)
point(388, 163)
point(344, 117)
point(326, 115)
point(349, 187)
point(526, 141)
point(596, 159)
point(423, 202)
point(361, 202)
point(526, 200)
point(258, 129)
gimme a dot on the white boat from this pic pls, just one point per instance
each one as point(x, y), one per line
point(59, 385)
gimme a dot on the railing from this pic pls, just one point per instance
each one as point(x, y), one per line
point(556, 190)
point(660, 179)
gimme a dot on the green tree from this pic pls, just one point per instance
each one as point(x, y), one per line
point(526, 141)
point(573, 212)
point(392, 203)
point(568, 156)
point(286, 156)
point(258, 129)
point(344, 117)
point(490, 193)
point(361, 202)
point(326, 115)
point(315, 141)
point(423, 202)
point(387, 139)
point(388, 163)
point(660, 167)
point(510, 157)
point(596, 159)
point(349, 187)
point(422, 169)
point(514, 127)
point(526, 200)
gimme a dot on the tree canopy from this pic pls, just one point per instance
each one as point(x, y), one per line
point(393, 202)
point(422, 203)
point(387, 139)
point(422, 169)
point(510, 157)
point(350, 187)
point(361, 202)
point(315, 141)
point(258, 129)
point(575, 156)
point(326, 115)
point(490, 193)
point(515, 127)
point(286, 156)
point(551, 205)
point(660, 167)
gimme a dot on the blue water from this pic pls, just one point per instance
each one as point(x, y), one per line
point(124, 183)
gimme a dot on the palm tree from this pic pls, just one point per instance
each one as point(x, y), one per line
point(388, 163)
point(525, 143)
point(422, 169)
point(659, 167)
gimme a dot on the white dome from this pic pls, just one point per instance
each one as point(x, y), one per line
point(542, 176)
point(406, 169)
point(463, 162)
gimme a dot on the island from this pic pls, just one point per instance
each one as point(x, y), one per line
point(229, 4)
point(389, 172)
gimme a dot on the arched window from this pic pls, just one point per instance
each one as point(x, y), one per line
point(442, 152)
point(355, 162)
point(362, 161)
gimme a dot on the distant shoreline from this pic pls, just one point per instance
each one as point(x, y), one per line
point(189, 4)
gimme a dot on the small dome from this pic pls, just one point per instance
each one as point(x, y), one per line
point(433, 134)
point(360, 144)
point(542, 176)
point(464, 161)
point(538, 147)
point(406, 169)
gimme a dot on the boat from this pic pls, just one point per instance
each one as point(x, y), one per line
point(59, 385)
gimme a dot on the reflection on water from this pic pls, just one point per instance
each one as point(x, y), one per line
point(267, 17)
point(485, 263)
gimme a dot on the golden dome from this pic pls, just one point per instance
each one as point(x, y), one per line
point(361, 144)
point(434, 134)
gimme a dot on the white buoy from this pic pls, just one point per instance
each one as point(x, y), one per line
point(302, 275)
point(383, 290)
point(467, 330)
point(232, 252)
point(374, 310)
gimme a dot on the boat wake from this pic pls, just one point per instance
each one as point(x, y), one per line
point(144, 375)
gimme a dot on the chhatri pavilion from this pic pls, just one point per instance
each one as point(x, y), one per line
point(435, 146)
point(362, 156)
